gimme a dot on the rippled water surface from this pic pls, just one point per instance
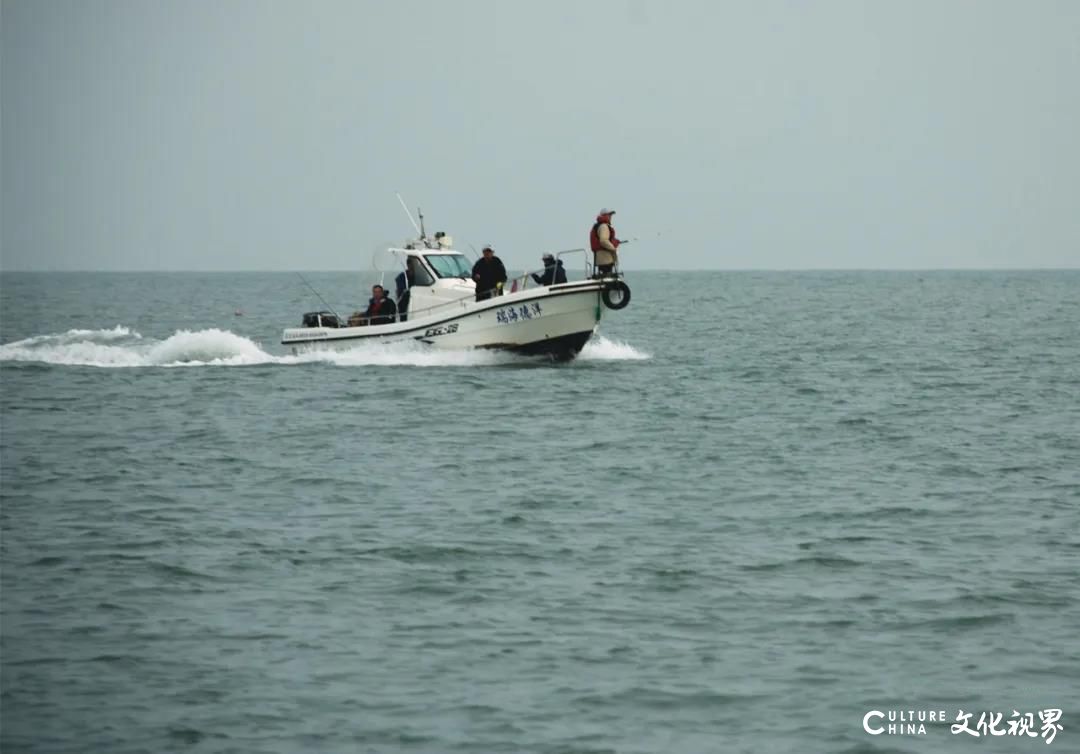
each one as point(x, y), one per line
point(759, 506)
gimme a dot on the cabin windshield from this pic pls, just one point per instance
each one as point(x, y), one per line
point(449, 265)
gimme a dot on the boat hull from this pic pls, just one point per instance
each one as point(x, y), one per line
point(560, 348)
point(555, 321)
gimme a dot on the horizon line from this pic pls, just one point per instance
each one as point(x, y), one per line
point(643, 269)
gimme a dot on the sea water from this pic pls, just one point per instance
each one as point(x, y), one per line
point(758, 508)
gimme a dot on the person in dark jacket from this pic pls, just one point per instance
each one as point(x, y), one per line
point(553, 273)
point(489, 274)
point(381, 308)
point(414, 275)
point(403, 282)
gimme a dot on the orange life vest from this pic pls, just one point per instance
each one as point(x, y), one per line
point(594, 236)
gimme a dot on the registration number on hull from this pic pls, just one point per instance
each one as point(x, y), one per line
point(444, 330)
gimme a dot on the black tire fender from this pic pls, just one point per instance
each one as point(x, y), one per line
point(622, 299)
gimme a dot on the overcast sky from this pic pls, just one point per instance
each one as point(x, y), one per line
point(273, 135)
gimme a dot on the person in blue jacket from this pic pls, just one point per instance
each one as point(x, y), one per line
point(553, 273)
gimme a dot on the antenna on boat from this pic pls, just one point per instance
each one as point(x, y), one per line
point(406, 208)
point(423, 233)
point(319, 297)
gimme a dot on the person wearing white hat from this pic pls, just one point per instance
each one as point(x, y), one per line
point(489, 274)
point(604, 244)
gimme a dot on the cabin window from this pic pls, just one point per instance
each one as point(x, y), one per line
point(449, 265)
point(420, 274)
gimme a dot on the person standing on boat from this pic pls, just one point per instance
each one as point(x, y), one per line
point(604, 244)
point(381, 308)
point(414, 275)
point(489, 274)
point(553, 272)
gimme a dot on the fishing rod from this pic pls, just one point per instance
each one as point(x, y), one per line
point(637, 238)
point(405, 207)
point(319, 297)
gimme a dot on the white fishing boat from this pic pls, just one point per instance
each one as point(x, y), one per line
point(436, 304)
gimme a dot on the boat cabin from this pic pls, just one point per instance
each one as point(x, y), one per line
point(430, 278)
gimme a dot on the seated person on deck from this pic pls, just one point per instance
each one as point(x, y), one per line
point(553, 273)
point(381, 308)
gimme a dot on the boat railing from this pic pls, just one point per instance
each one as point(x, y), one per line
point(516, 284)
point(443, 307)
point(521, 282)
point(460, 302)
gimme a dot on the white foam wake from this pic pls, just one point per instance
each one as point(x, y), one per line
point(406, 353)
point(600, 348)
point(76, 336)
point(121, 347)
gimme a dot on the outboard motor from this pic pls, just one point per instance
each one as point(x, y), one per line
point(321, 319)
